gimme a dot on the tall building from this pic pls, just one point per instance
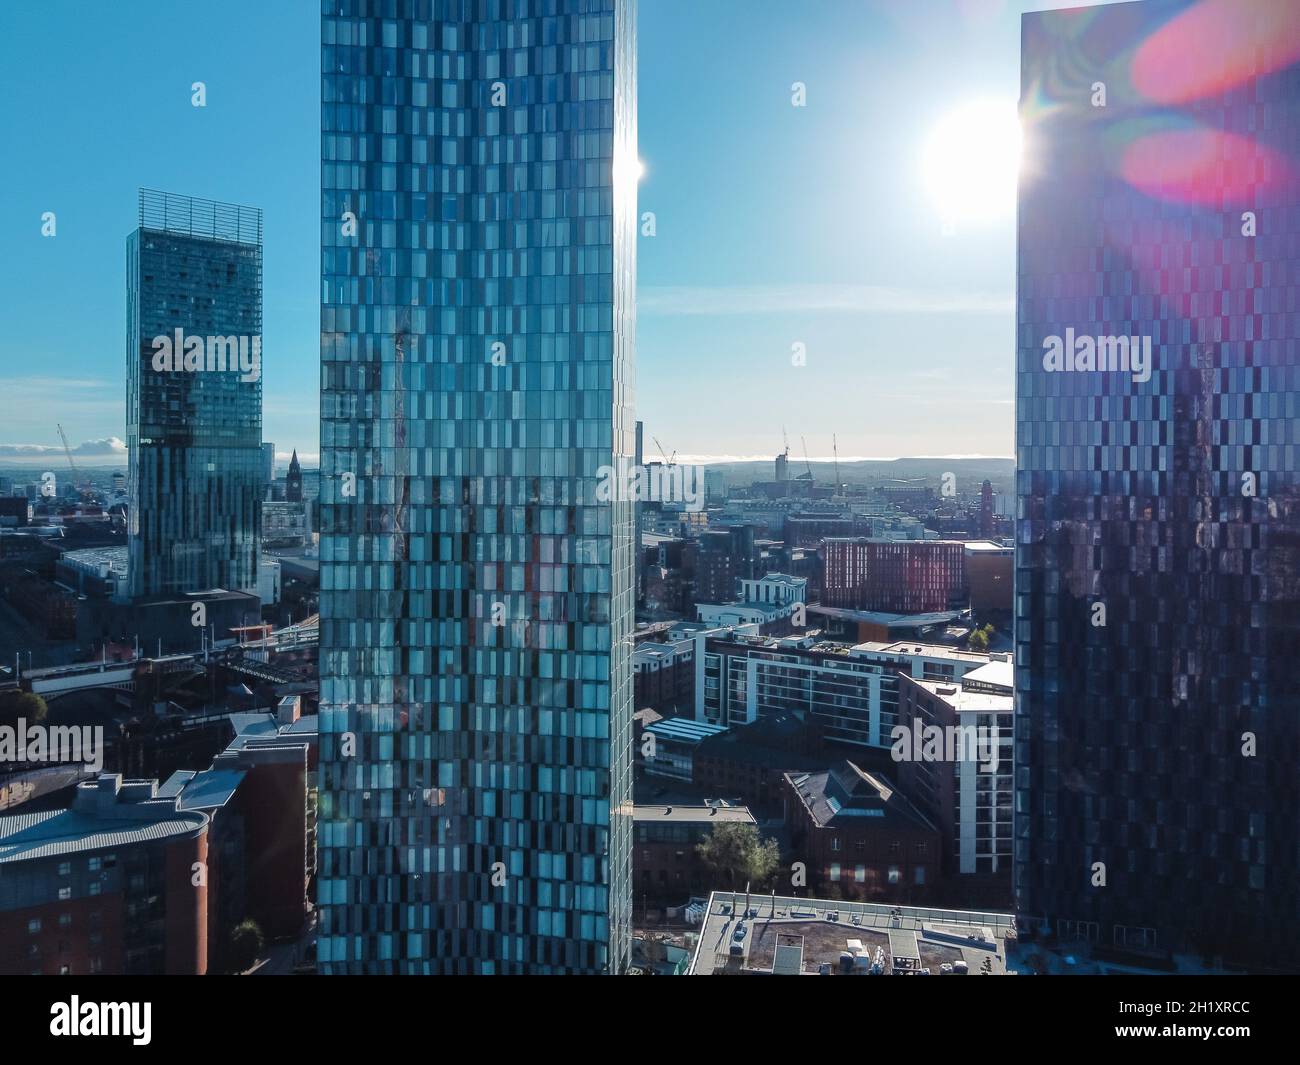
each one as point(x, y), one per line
point(194, 395)
point(1157, 581)
point(477, 333)
point(293, 480)
point(268, 462)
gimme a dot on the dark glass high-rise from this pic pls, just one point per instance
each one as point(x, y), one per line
point(478, 227)
point(1158, 533)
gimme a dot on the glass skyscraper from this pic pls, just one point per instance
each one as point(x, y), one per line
point(194, 396)
point(1158, 450)
point(478, 227)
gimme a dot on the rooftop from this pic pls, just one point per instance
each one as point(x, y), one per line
point(107, 813)
point(783, 578)
point(914, 648)
point(887, 619)
point(652, 651)
point(827, 929)
point(1000, 673)
point(211, 789)
point(684, 729)
point(967, 702)
point(930, 541)
point(262, 730)
point(846, 794)
point(989, 547)
point(771, 611)
point(710, 813)
point(191, 216)
point(93, 556)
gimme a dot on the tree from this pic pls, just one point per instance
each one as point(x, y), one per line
point(15, 703)
point(736, 854)
point(246, 944)
point(981, 638)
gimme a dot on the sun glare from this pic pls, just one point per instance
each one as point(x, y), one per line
point(971, 162)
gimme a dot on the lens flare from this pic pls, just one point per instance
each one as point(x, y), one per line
point(1204, 166)
point(1215, 46)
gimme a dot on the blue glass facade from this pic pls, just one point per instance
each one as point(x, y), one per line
point(478, 216)
point(194, 403)
point(1158, 535)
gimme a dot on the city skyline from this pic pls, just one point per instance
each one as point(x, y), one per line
point(736, 492)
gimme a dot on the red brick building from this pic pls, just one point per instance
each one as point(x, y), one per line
point(899, 576)
point(134, 878)
point(663, 676)
point(117, 883)
point(665, 863)
point(859, 838)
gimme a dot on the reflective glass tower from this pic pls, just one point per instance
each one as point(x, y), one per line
point(194, 396)
point(1158, 449)
point(478, 216)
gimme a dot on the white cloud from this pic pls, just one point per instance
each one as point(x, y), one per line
point(108, 450)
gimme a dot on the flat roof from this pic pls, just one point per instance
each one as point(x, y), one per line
point(1003, 674)
point(653, 649)
point(826, 927)
point(116, 556)
point(768, 610)
point(989, 547)
point(693, 814)
point(175, 783)
point(964, 702)
point(916, 649)
point(684, 728)
point(883, 617)
point(211, 789)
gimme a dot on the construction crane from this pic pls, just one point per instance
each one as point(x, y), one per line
point(667, 461)
point(835, 448)
point(84, 488)
point(806, 460)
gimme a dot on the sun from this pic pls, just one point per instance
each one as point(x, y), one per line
point(971, 162)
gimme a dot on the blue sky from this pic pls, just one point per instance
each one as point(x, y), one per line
point(775, 225)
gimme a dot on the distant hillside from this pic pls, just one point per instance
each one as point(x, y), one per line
point(876, 471)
